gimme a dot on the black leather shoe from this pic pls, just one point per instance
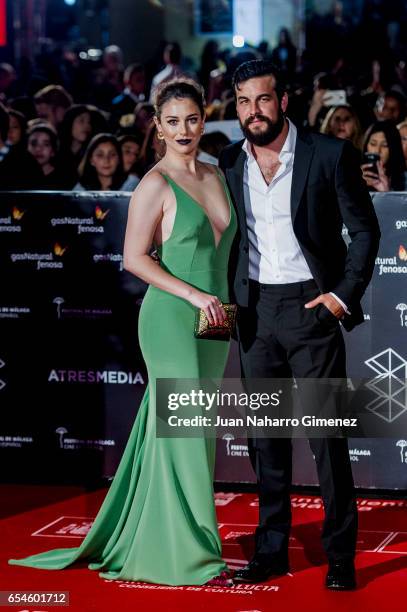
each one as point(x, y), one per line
point(341, 576)
point(260, 570)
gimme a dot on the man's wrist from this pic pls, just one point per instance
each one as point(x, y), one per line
point(344, 306)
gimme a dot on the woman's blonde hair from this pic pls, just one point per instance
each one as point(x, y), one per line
point(326, 127)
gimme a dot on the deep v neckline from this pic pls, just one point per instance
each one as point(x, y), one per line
point(204, 211)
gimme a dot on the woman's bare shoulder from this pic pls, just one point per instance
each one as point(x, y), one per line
point(153, 180)
point(152, 187)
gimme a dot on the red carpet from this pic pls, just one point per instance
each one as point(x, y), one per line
point(381, 559)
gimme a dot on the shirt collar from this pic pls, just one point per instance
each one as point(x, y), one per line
point(288, 148)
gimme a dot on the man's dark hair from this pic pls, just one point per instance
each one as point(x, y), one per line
point(4, 122)
point(396, 95)
point(174, 52)
point(258, 68)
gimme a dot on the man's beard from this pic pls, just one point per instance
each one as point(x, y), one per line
point(264, 137)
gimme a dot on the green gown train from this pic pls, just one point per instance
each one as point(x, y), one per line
point(158, 523)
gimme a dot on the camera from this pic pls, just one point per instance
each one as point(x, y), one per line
point(334, 97)
point(371, 159)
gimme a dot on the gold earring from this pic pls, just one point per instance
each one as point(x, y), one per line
point(160, 135)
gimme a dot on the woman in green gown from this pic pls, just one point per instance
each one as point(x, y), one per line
point(158, 523)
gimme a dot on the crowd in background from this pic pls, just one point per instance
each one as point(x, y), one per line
point(72, 122)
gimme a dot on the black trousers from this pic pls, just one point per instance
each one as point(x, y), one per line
point(279, 338)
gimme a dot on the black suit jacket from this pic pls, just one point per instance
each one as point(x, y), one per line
point(327, 191)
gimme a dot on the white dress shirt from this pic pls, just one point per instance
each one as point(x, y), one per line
point(275, 256)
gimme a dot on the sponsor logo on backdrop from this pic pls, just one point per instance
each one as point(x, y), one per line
point(356, 454)
point(51, 260)
point(15, 441)
point(84, 225)
point(58, 301)
point(2, 382)
point(65, 312)
point(10, 224)
point(78, 443)
point(111, 377)
point(101, 214)
point(401, 224)
point(389, 385)
point(61, 431)
point(366, 316)
point(116, 258)
point(391, 265)
point(402, 445)
point(234, 450)
point(228, 437)
point(402, 308)
point(13, 312)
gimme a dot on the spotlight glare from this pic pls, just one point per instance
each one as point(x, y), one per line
point(238, 41)
point(70, 2)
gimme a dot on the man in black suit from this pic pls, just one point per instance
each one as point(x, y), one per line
point(295, 282)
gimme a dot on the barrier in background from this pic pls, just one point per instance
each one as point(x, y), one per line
point(377, 349)
point(71, 372)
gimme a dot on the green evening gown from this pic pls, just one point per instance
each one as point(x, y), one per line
point(158, 523)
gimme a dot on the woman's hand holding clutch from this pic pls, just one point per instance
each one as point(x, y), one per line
point(210, 304)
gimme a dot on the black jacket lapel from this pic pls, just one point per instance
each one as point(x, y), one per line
point(235, 176)
point(304, 150)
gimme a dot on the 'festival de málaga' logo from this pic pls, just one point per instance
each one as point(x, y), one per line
point(72, 311)
point(391, 265)
point(402, 445)
point(402, 308)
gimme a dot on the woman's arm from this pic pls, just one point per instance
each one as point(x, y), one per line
point(146, 211)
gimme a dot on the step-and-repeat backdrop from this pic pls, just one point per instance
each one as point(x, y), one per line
point(71, 371)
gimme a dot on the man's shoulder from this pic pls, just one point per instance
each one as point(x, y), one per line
point(324, 144)
point(230, 154)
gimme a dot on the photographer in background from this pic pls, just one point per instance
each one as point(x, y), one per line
point(402, 128)
point(326, 95)
point(383, 159)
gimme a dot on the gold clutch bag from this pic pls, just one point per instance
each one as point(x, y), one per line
point(203, 329)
